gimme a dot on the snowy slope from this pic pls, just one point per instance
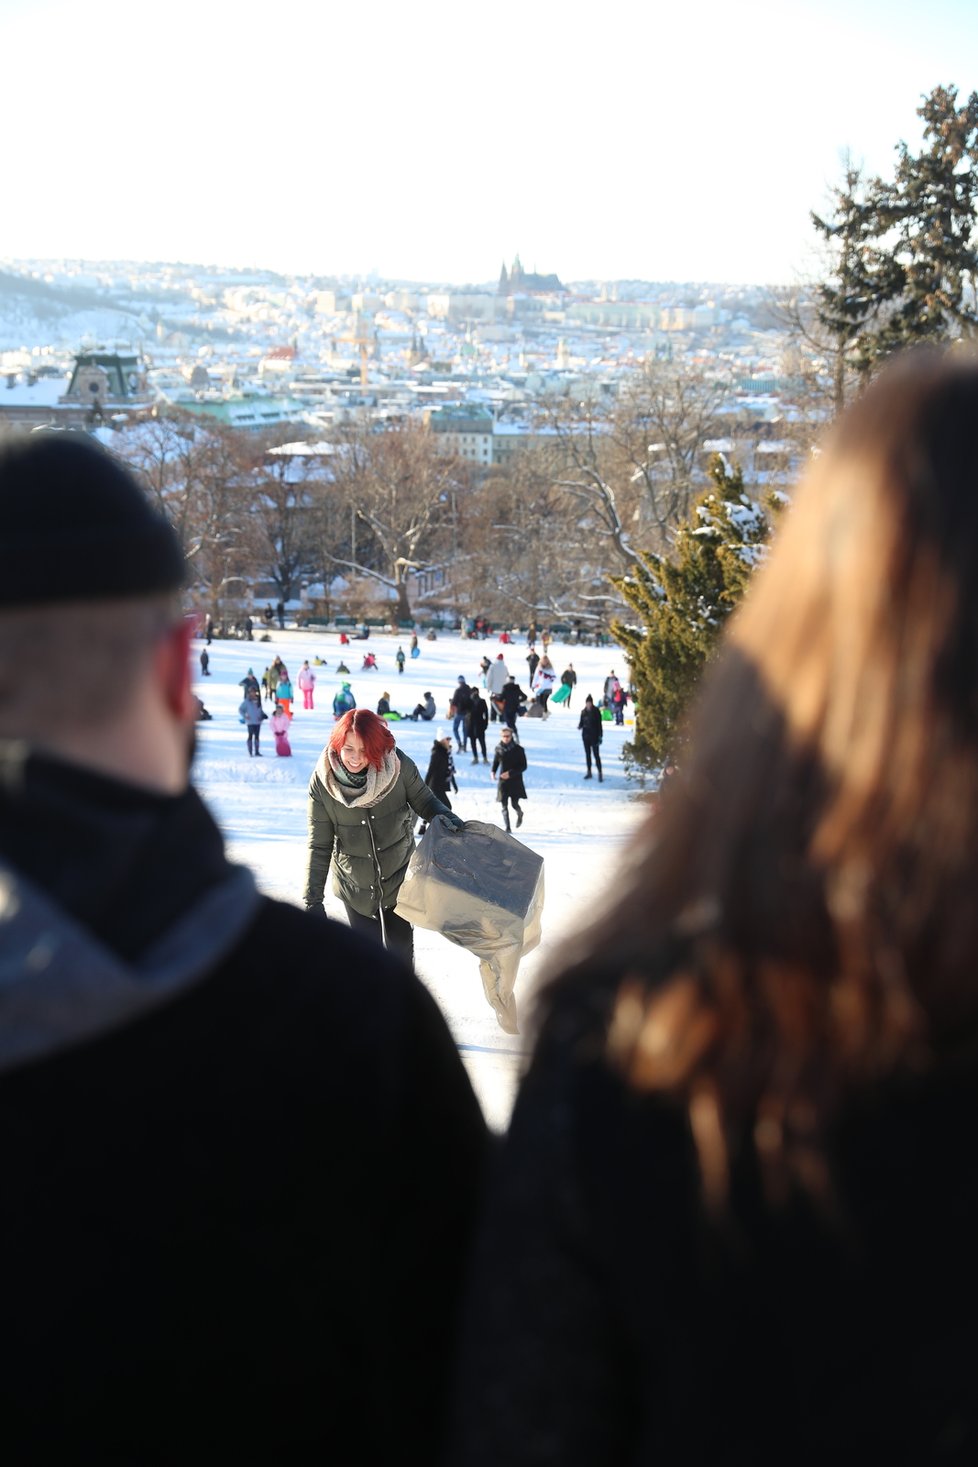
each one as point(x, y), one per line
point(578, 827)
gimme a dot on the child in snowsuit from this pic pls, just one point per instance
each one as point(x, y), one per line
point(280, 728)
point(510, 761)
point(283, 694)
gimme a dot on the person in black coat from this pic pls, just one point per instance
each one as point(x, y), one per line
point(510, 763)
point(513, 699)
point(590, 725)
point(198, 1264)
point(440, 777)
point(476, 724)
point(461, 702)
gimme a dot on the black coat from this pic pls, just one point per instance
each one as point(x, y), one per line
point(512, 696)
point(439, 778)
point(478, 715)
point(591, 724)
point(765, 1336)
point(235, 1225)
point(510, 758)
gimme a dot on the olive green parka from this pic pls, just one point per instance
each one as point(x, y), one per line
point(369, 845)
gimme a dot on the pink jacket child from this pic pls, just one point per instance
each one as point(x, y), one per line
point(280, 728)
point(307, 682)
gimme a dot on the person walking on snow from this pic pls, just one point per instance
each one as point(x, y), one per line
point(510, 761)
point(497, 677)
point(568, 679)
point(514, 699)
point(476, 723)
point(253, 716)
point(590, 724)
point(610, 684)
point(440, 777)
point(460, 704)
point(400, 659)
point(307, 683)
point(361, 796)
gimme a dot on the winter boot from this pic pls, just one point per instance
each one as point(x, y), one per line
point(519, 817)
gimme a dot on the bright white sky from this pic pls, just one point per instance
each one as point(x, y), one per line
point(433, 141)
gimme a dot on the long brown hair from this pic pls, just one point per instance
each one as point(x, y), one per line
point(801, 918)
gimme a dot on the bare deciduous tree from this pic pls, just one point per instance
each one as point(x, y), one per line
point(401, 492)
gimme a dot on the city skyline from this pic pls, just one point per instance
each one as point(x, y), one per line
point(433, 146)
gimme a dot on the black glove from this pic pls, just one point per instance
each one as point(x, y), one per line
point(456, 821)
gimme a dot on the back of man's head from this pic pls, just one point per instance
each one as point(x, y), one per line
point(89, 575)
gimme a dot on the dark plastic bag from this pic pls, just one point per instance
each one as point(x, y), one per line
point(483, 890)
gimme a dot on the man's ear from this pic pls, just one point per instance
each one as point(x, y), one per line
point(173, 668)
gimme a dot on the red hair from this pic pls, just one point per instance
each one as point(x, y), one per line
point(372, 731)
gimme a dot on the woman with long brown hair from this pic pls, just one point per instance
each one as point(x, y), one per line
point(739, 1196)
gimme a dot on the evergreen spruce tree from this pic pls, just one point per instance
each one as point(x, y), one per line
point(933, 209)
point(907, 249)
point(682, 602)
point(848, 300)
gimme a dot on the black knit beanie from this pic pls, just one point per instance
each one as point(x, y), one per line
point(75, 525)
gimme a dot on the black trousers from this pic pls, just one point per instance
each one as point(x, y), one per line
point(400, 934)
point(594, 749)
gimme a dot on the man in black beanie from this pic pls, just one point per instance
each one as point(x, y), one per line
point(240, 1154)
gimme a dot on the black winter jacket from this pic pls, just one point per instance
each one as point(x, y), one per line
point(439, 778)
point(591, 725)
point(237, 1211)
point(510, 758)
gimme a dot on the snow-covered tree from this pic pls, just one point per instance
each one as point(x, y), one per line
point(682, 601)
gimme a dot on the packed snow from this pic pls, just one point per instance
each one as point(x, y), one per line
point(579, 827)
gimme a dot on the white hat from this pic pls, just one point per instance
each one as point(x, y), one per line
point(440, 734)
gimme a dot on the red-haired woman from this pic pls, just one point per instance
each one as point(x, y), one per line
point(364, 796)
point(739, 1198)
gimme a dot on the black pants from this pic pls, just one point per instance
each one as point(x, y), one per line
point(506, 800)
point(254, 737)
point(477, 736)
point(594, 749)
point(400, 934)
